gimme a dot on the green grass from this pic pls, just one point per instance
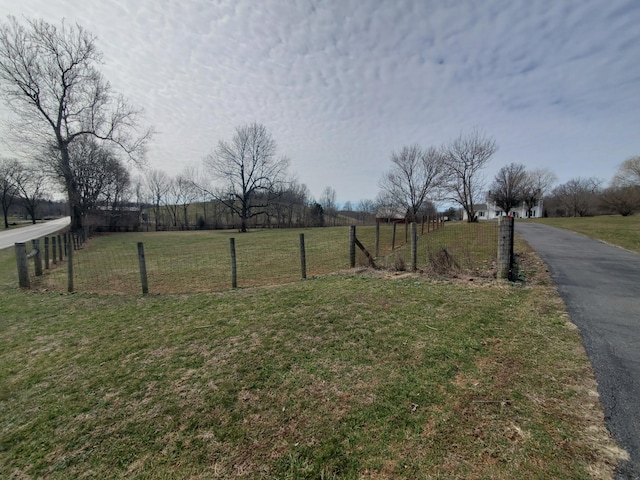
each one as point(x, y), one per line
point(616, 230)
point(341, 376)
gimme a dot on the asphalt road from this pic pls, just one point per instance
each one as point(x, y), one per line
point(600, 285)
point(24, 234)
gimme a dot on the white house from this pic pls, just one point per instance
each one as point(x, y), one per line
point(490, 211)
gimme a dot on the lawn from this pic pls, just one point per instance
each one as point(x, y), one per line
point(616, 230)
point(370, 375)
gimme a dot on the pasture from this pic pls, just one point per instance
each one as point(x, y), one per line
point(362, 374)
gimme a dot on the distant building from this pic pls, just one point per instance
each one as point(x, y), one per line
point(490, 211)
point(392, 215)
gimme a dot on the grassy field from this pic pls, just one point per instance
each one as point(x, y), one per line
point(371, 375)
point(616, 230)
point(199, 261)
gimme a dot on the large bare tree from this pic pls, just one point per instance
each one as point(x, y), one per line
point(465, 159)
point(50, 80)
point(623, 193)
point(578, 197)
point(537, 184)
point(413, 179)
point(248, 171)
point(8, 190)
point(157, 185)
point(507, 188)
point(30, 183)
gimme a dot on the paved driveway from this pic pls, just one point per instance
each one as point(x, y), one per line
point(20, 235)
point(600, 285)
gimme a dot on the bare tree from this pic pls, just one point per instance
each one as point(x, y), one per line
point(507, 189)
point(628, 173)
point(537, 184)
point(101, 178)
point(8, 191)
point(158, 185)
point(578, 197)
point(50, 81)
point(413, 178)
point(249, 171)
point(464, 160)
point(624, 199)
point(30, 184)
point(328, 202)
point(623, 193)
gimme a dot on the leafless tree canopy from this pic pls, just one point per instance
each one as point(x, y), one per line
point(507, 189)
point(413, 179)
point(9, 170)
point(49, 79)
point(578, 197)
point(464, 159)
point(537, 184)
point(249, 171)
point(623, 193)
point(628, 173)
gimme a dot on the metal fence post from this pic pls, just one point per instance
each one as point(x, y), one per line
point(234, 270)
point(143, 269)
point(414, 246)
point(303, 257)
point(69, 249)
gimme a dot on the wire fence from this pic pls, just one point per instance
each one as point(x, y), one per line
point(201, 261)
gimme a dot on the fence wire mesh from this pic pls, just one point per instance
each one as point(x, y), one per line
point(200, 261)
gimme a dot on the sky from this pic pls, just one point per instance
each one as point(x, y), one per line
point(342, 84)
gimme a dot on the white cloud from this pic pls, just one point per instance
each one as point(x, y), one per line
point(341, 84)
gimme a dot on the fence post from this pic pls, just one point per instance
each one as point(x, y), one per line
point(46, 253)
point(377, 239)
point(69, 249)
point(234, 271)
point(53, 249)
point(393, 237)
point(23, 265)
point(414, 246)
point(352, 246)
point(505, 247)
point(303, 257)
point(37, 257)
point(143, 269)
point(60, 248)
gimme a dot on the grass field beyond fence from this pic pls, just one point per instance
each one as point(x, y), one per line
point(200, 261)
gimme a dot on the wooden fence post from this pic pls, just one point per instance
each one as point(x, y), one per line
point(54, 245)
point(406, 231)
point(23, 265)
point(46, 253)
point(69, 249)
point(234, 271)
point(303, 257)
point(143, 269)
point(377, 239)
point(505, 247)
point(37, 257)
point(60, 248)
point(414, 246)
point(352, 246)
point(393, 237)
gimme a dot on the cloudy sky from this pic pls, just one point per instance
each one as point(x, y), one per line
point(342, 84)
